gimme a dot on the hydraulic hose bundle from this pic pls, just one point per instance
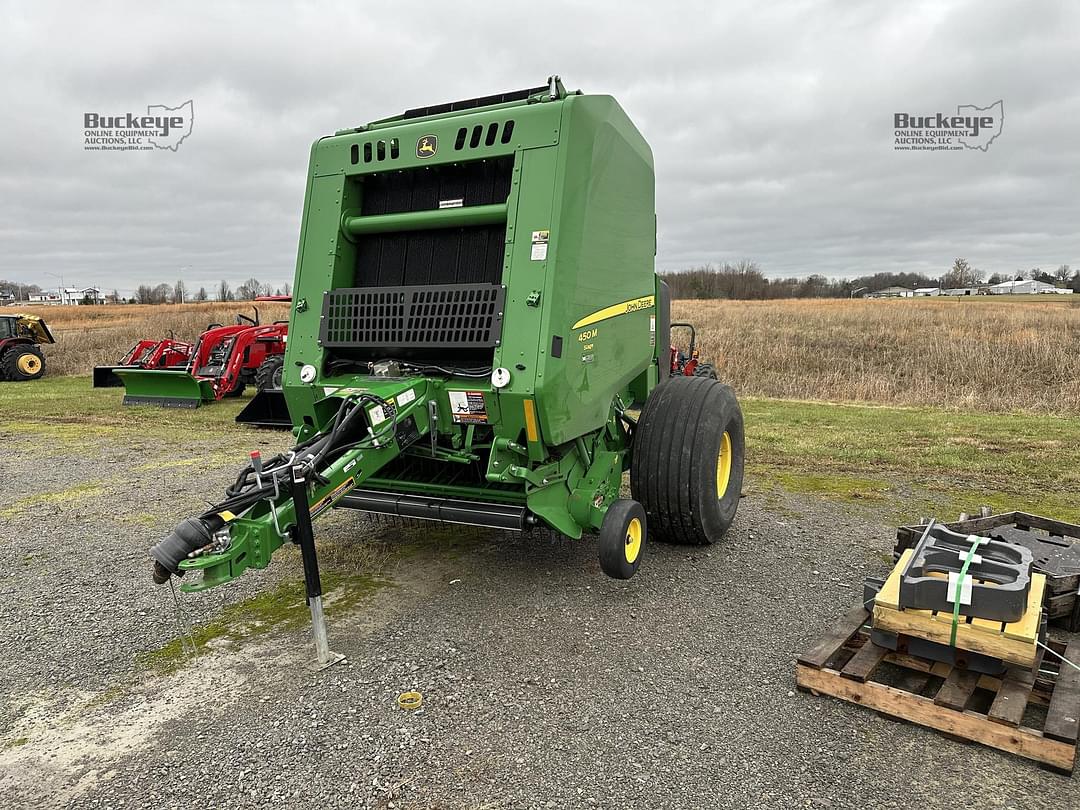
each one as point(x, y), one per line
point(271, 480)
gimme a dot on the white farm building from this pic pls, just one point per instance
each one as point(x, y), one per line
point(1027, 287)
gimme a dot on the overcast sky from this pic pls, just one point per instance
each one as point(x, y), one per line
point(771, 125)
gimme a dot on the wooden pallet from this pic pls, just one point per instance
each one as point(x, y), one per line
point(843, 663)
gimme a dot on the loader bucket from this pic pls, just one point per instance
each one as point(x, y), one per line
point(170, 389)
point(105, 377)
point(267, 409)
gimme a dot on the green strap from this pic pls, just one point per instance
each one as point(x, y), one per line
point(959, 586)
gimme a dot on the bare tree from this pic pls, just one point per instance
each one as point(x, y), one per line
point(286, 288)
point(179, 292)
point(962, 274)
point(251, 288)
point(224, 293)
point(202, 294)
point(1064, 274)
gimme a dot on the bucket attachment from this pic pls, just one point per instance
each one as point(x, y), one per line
point(105, 376)
point(267, 409)
point(170, 389)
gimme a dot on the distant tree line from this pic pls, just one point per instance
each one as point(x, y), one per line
point(178, 293)
point(746, 280)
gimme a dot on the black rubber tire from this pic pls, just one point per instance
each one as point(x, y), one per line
point(705, 370)
point(237, 390)
point(268, 374)
point(674, 468)
point(9, 363)
point(615, 539)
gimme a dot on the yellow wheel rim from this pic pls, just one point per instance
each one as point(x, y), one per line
point(723, 465)
point(28, 364)
point(632, 547)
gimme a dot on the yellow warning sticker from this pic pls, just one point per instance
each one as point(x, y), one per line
point(330, 498)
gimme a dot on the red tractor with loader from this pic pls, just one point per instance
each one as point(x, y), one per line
point(148, 353)
point(221, 364)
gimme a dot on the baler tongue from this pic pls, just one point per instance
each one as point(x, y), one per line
point(170, 389)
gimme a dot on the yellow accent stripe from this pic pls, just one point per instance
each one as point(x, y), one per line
point(531, 431)
point(227, 516)
point(633, 305)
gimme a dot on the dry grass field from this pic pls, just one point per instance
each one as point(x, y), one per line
point(977, 354)
point(981, 354)
point(90, 336)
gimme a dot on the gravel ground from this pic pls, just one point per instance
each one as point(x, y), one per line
point(545, 684)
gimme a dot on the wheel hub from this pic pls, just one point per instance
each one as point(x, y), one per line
point(28, 364)
point(632, 547)
point(723, 465)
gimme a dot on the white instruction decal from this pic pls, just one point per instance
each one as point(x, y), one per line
point(468, 406)
point(540, 245)
point(377, 415)
point(405, 398)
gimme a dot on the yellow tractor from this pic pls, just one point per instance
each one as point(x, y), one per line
point(20, 357)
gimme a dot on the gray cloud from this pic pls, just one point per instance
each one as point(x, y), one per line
point(771, 125)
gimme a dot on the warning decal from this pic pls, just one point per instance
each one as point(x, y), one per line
point(468, 406)
point(326, 501)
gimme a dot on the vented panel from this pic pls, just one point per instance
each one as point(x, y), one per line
point(469, 255)
point(477, 182)
point(449, 316)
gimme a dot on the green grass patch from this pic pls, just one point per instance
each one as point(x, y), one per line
point(66, 496)
point(281, 608)
point(923, 459)
point(72, 414)
point(843, 487)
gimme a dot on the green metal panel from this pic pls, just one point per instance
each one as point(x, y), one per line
point(600, 256)
point(169, 387)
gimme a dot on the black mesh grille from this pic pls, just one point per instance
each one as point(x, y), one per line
point(450, 316)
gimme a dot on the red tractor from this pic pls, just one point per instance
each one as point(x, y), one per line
point(230, 356)
point(167, 353)
point(688, 364)
point(223, 361)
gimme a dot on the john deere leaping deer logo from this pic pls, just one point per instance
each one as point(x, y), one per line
point(427, 146)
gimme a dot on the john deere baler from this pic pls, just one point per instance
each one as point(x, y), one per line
point(478, 336)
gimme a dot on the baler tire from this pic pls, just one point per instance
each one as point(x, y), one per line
point(268, 374)
point(22, 362)
point(685, 473)
point(622, 539)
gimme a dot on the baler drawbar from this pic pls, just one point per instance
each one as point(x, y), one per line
point(478, 336)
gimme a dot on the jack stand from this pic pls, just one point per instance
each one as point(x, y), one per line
point(305, 538)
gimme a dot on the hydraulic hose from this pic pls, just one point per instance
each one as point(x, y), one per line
point(273, 480)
